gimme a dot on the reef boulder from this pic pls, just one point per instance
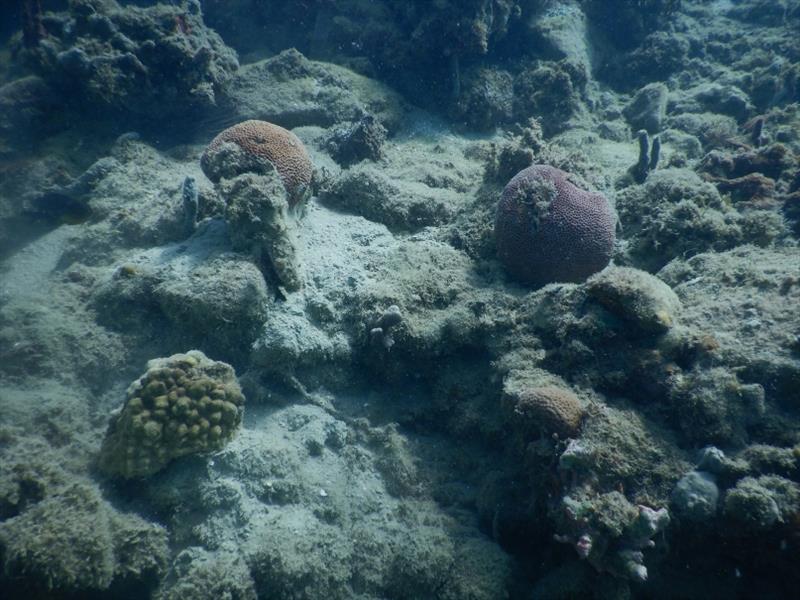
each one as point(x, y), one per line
point(159, 62)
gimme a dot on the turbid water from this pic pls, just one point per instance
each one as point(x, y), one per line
point(337, 356)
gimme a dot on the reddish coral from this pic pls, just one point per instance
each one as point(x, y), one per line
point(548, 229)
point(273, 143)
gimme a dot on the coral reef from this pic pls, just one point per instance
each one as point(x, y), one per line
point(548, 229)
point(248, 162)
point(73, 542)
point(551, 410)
point(611, 533)
point(424, 420)
point(259, 142)
point(157, 62)
point(184, 404)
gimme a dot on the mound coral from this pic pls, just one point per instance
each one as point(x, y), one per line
point(184, 404)
point(261, 141)
point(548, 229)
point(550, 410)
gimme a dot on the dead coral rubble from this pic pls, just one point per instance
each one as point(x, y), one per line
point(160, 62)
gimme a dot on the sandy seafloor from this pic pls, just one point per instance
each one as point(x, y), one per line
point(418, 423)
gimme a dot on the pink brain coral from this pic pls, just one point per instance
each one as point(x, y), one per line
point(264, 140)
point(548, 229)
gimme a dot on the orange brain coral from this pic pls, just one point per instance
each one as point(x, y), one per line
point(549, 409)
point(273, 143)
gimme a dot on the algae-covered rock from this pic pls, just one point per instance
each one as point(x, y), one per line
point(305, 92)
point(350, 143)
point(305, 505)
point(184, 404)
point(366, 190)
point(747, 297)
point(713, 406)
point(647, 108)
point(29, 110)
point(486, 99)
point(158, 62)
point(65, 540)
point(759, 503)
point(676, 214)
point(201, 575)
point(618, 447)
point(74, 542)
point(695, 496)
point(223, 298)
point(637, 297)
point(257, 213)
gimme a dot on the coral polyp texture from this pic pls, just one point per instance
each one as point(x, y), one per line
point(549, 230)
point(548, 410)
point(259, 142)
point(184, 404)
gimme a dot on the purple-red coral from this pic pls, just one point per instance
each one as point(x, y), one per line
point(548, 229)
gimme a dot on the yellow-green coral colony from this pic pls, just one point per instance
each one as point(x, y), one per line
point(185, 404)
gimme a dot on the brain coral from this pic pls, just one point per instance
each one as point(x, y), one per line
point(549, 410)
point(260, 140)
point(548, 229)
point(184, 404)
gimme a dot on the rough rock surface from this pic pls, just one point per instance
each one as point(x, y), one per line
point(377, 457)
point(160, 61)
